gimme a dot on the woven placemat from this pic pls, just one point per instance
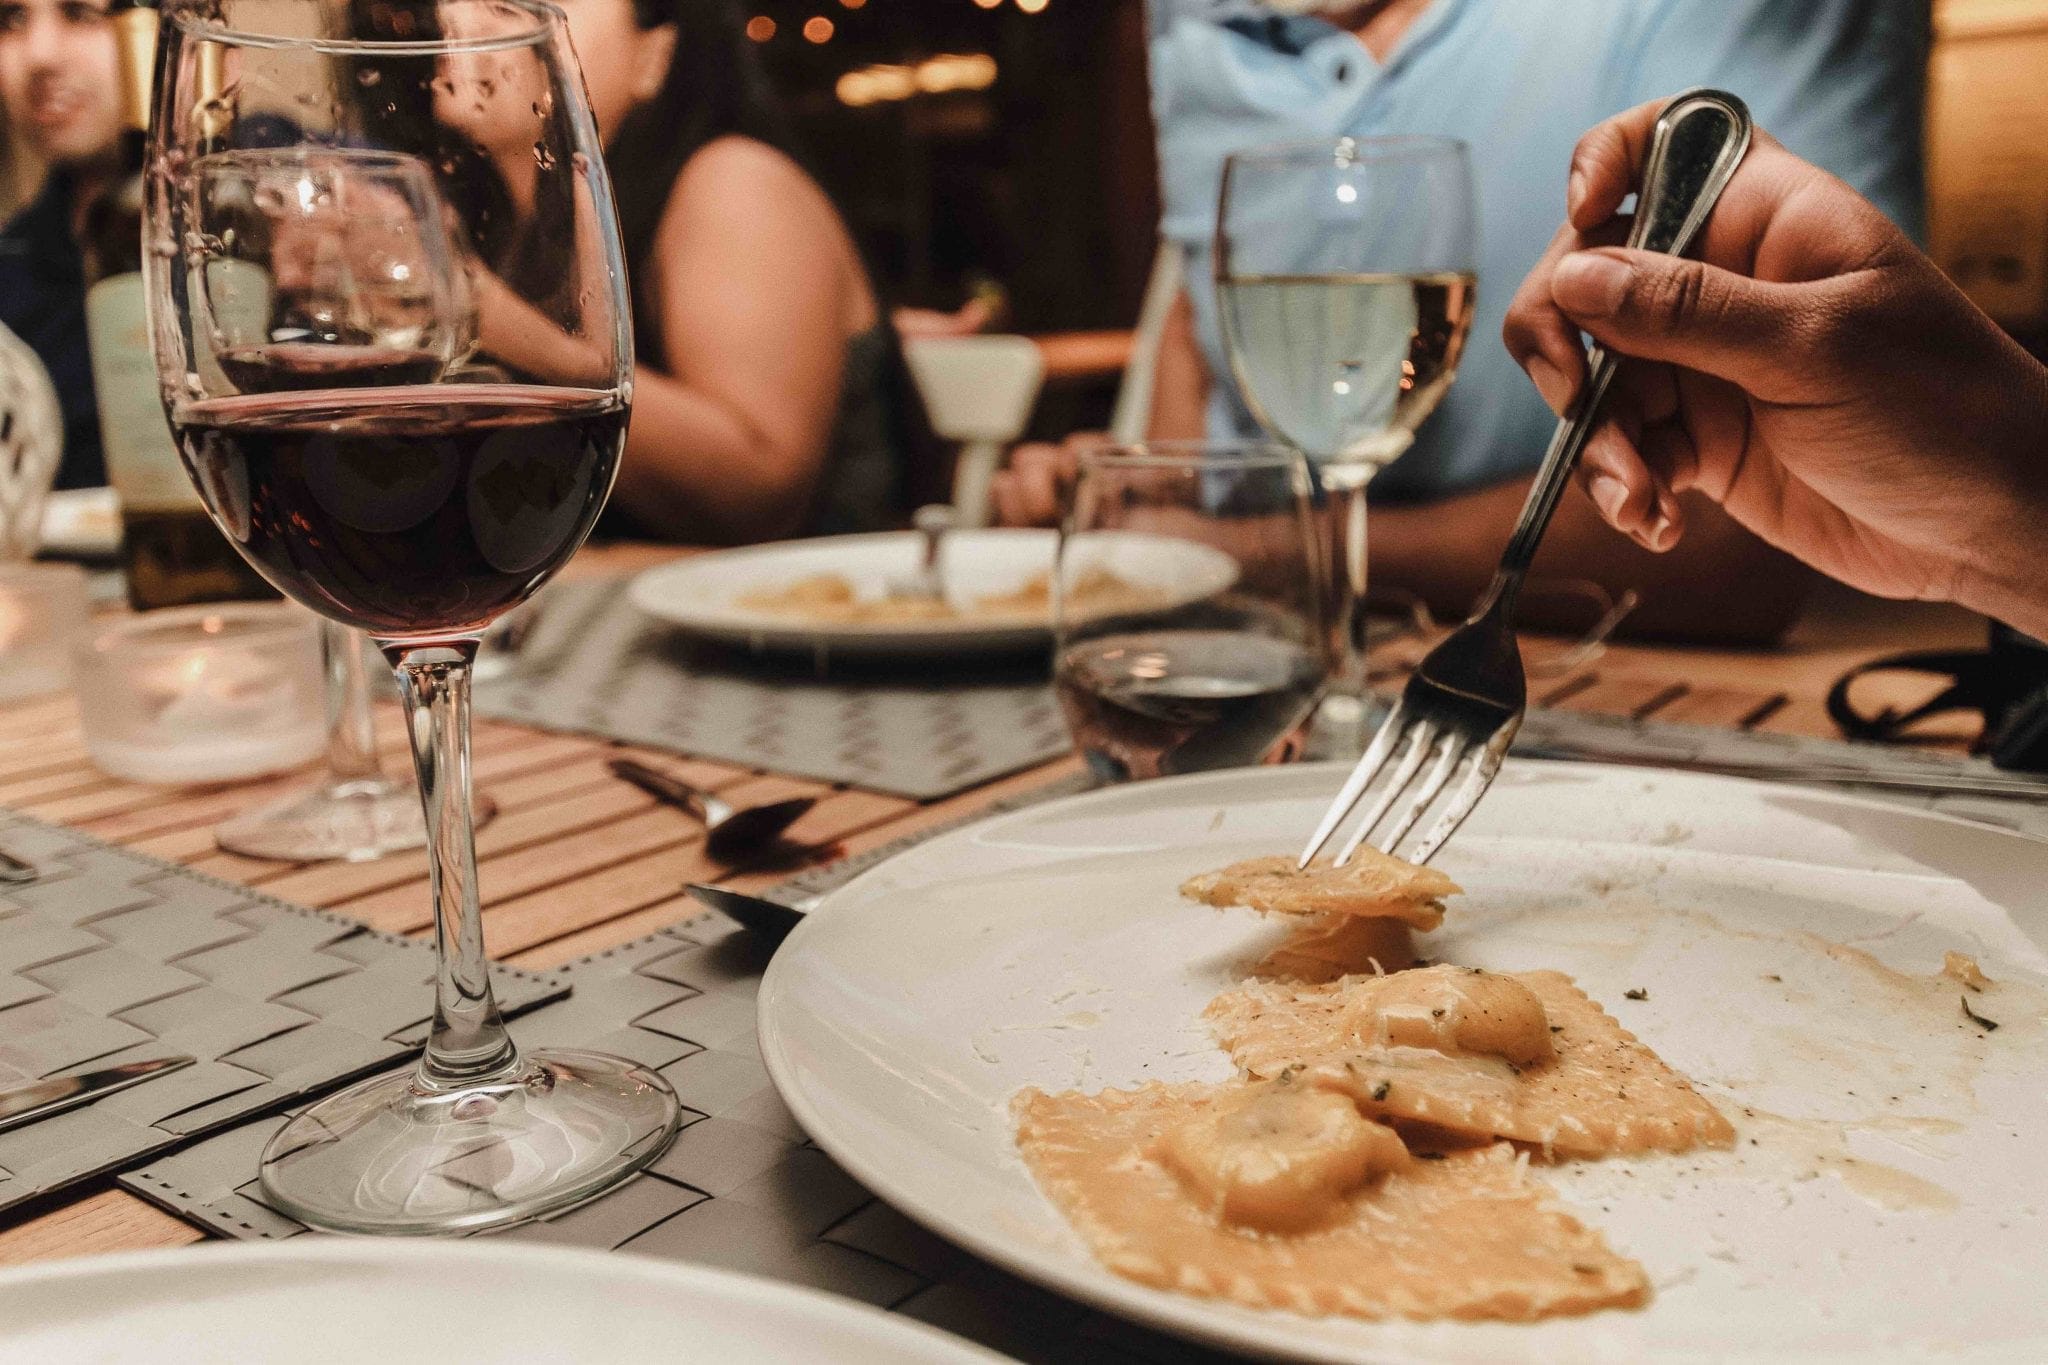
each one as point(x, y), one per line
point(594, 664)
point(741, 1187)
point(112, 957)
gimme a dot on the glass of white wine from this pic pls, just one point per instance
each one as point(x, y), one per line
point(1346, 275)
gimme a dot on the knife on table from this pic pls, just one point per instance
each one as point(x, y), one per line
point(769, 919)
point(34, 1100)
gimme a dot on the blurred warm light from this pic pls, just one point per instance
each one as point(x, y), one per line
point(988, 4)
point(1031, 6)
point(818, 29)
point(760, 28)
point(853, 4)
point(932, 76)
point(969, 71)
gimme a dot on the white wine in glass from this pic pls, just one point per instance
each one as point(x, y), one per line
point(1346, 274)
point(1347, 366)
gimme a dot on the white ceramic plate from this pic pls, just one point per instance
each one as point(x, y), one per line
point(701, 594)
point(315, 1300)
point(1049, 948)
point(82, 523)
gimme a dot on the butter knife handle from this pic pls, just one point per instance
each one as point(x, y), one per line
point(661, 786)
point(35, 1100)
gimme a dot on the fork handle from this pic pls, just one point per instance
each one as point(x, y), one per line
point(1700, 138)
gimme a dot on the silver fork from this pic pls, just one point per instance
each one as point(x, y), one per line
point(1465, 701)
point(932, 522)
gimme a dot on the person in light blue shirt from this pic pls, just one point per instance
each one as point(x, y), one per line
point(1839, 81)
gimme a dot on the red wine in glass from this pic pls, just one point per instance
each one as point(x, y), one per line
point(409, 512)
point(287, 366)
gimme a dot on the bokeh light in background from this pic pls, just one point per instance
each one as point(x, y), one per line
point(938, 75)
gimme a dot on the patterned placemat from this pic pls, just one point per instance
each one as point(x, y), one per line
point(740, 1188)
point(594, 664)
point(111, 957)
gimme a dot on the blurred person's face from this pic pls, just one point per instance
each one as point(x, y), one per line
point(623, 64)
point(501, 98)
point(60, 78)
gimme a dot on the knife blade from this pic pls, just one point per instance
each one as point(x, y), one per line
point(764, 917)
point(16, 870)
point(35, 1100)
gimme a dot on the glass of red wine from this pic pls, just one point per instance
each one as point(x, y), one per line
point(332, 262)
point(407, 427)
point(1188, 609)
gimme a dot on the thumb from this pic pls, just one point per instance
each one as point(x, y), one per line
point(1665, 308)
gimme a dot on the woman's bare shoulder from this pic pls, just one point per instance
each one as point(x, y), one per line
point(747, 184)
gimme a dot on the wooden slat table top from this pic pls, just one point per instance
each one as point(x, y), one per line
point(577, 861)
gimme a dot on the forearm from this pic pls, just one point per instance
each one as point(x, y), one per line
point(1720, 583)
point(697, 470)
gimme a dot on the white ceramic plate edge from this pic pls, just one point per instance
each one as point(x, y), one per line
point(654, 593)
point(913, 1340)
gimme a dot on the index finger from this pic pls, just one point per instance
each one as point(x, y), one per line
point(1607, 164)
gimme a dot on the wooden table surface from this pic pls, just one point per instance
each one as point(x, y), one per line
point(577, 860)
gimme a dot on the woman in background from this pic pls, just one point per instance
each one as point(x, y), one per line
point(770, 397)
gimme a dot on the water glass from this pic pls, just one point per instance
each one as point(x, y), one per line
point(1187, 609)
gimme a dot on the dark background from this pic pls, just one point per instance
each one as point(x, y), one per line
point(1044, 182)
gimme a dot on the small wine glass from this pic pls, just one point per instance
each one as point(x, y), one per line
point(1187, 615)
point(417, 501)
point(1346, 274)
point(354, 254)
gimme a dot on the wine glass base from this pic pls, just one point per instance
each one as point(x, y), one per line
point(388, 1157)
point(352, 822)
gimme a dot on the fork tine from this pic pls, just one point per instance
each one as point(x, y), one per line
point(1452, 752)
point(1462, 805)
point(1421, 739)
point(1367, 768)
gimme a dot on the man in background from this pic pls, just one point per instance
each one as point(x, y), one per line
point(1840, 81)
point(60, 91)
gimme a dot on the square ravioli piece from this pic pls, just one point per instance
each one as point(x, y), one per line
point(1469, 1236)
point(1602, 1093)
point(1323, 948)
point(1371, 885)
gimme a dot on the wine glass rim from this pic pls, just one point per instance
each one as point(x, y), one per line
point(1374, 147)
point(546, 17)
point(308, 152)
point(1191, 454)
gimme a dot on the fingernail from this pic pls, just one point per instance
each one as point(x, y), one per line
point(1589, 285)
point(1575, 194)
point(1550, 382)
point(1663, 532)
point(1609, 494)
